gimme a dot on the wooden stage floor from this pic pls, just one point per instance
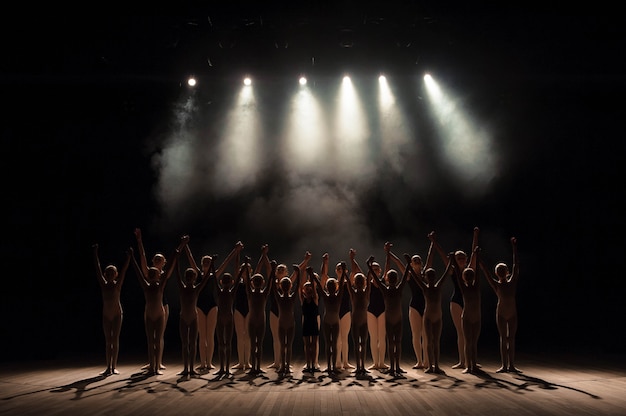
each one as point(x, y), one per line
point(567, 385)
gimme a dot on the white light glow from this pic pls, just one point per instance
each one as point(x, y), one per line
point(247, 81)
point(302, 81)
point(465, 143)
point(191, 82)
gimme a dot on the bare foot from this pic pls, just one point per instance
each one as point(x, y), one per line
point(458, 365)
point(501, 370)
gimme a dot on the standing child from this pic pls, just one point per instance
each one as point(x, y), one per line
point(470, 317)
point(433, 322)
point(258, 288)
point(505, 287)
point(359, 290)
point(331, 293)
point(111, 282)
point(153, 283)
point(189, 292)
point(226, 288)
point(310, 320)
point(285, 297)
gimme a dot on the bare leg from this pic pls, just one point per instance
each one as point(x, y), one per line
point(202, 339)
point(276, 344)
point(345, 325)
point(455, 312)
point(243, 341)
point(415, 320)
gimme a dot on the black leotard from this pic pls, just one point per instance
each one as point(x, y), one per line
point(241, 300)
point(377, 302)
point(417, 297)
point(346, 304)
point(206, 299)
point(310, 312)
point(457, 296)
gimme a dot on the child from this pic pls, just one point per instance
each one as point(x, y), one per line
point(506, 310)
point(331, 293)
point(111, 286)
point(226, 288)
point(432, 287)
point(310, 320)
point(188, 327)
point(153, 282)
point(359, 290)
point(470, 317)
point(258, 288)
point(285, 297)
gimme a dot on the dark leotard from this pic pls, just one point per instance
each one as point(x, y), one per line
point(457, 296)
point(377, 302)
point(273, 305)
point(417, 297)
point(310, 312)
point(206, 299)
point(346, 304)
point(241, 300)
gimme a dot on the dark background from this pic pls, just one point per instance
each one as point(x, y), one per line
point(88, 108)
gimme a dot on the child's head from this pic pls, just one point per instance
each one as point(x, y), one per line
point(159, 261)
point(392, 277)
point(285, 284)
point(190, 275)
point(416, 263)
point(430, 276)
point(461, 258)
point(376, 268)
point(502, 270)
point(469, 275)
point(307, 290)
point(110, 273)
point(226, 280)
point(359, 281)
point(331, 285)
point(205, 262)
point(257, 281)
point(153, 274)
point(281, 271)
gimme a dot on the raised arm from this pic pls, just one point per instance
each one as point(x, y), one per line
point(174, 258)
point(434, 244)
point(302, 271)
point(140, 275)
point(231, 256)
point(488, 276)
point(324, 270)
point(295, 278)
point(515, 266)
point(143, 261)
point(264, 261)
point(391, 257)
point(354, 266)
point(447, 271)
point(191, 260)
point(475, 239)
point(96, 262)
point(122, 273)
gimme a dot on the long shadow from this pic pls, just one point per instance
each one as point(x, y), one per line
point(546, 385)
point(489, 381)
point(443, 376)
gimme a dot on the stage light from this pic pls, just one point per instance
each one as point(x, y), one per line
point(247, 81)
point(191, 82)
point(302, 81)
point(382, 79)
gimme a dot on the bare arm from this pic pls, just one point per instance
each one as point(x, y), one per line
point(435, 244)
point(515, 267)
point(174, 258)
point(190, 258)
point(233, 253)
point(446, 272)
point(392, 257)
point(418, 279)
point(324, 270)
point(302, 271)
point(122, 274)
point(264, 261)
point(143, 261)
point(96, 262)
point(138, 271)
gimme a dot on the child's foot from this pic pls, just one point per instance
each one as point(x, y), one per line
point(429, 370)
point(512, 369)
point(114, 371)
point(193, 373)
point(106, 372)
point(162, 367)
point(501, 370)
point(183, 373)
point(145, 367)
point(348, 366)
point(458, 365)
point(438, 370)
point(237, 366)
point(273, 365)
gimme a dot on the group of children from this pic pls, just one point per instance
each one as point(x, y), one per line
point(214, 304)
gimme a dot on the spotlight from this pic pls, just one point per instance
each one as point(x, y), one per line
point(191, 82)
point(302, 81)
point(247, 81)
point(382, 78)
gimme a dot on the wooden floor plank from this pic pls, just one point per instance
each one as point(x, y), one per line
point(546, 386)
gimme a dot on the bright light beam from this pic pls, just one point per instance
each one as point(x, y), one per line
point(237, 162)
point(465, 144)
point(351, 133)
point(305, 137)
point(393, 127)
